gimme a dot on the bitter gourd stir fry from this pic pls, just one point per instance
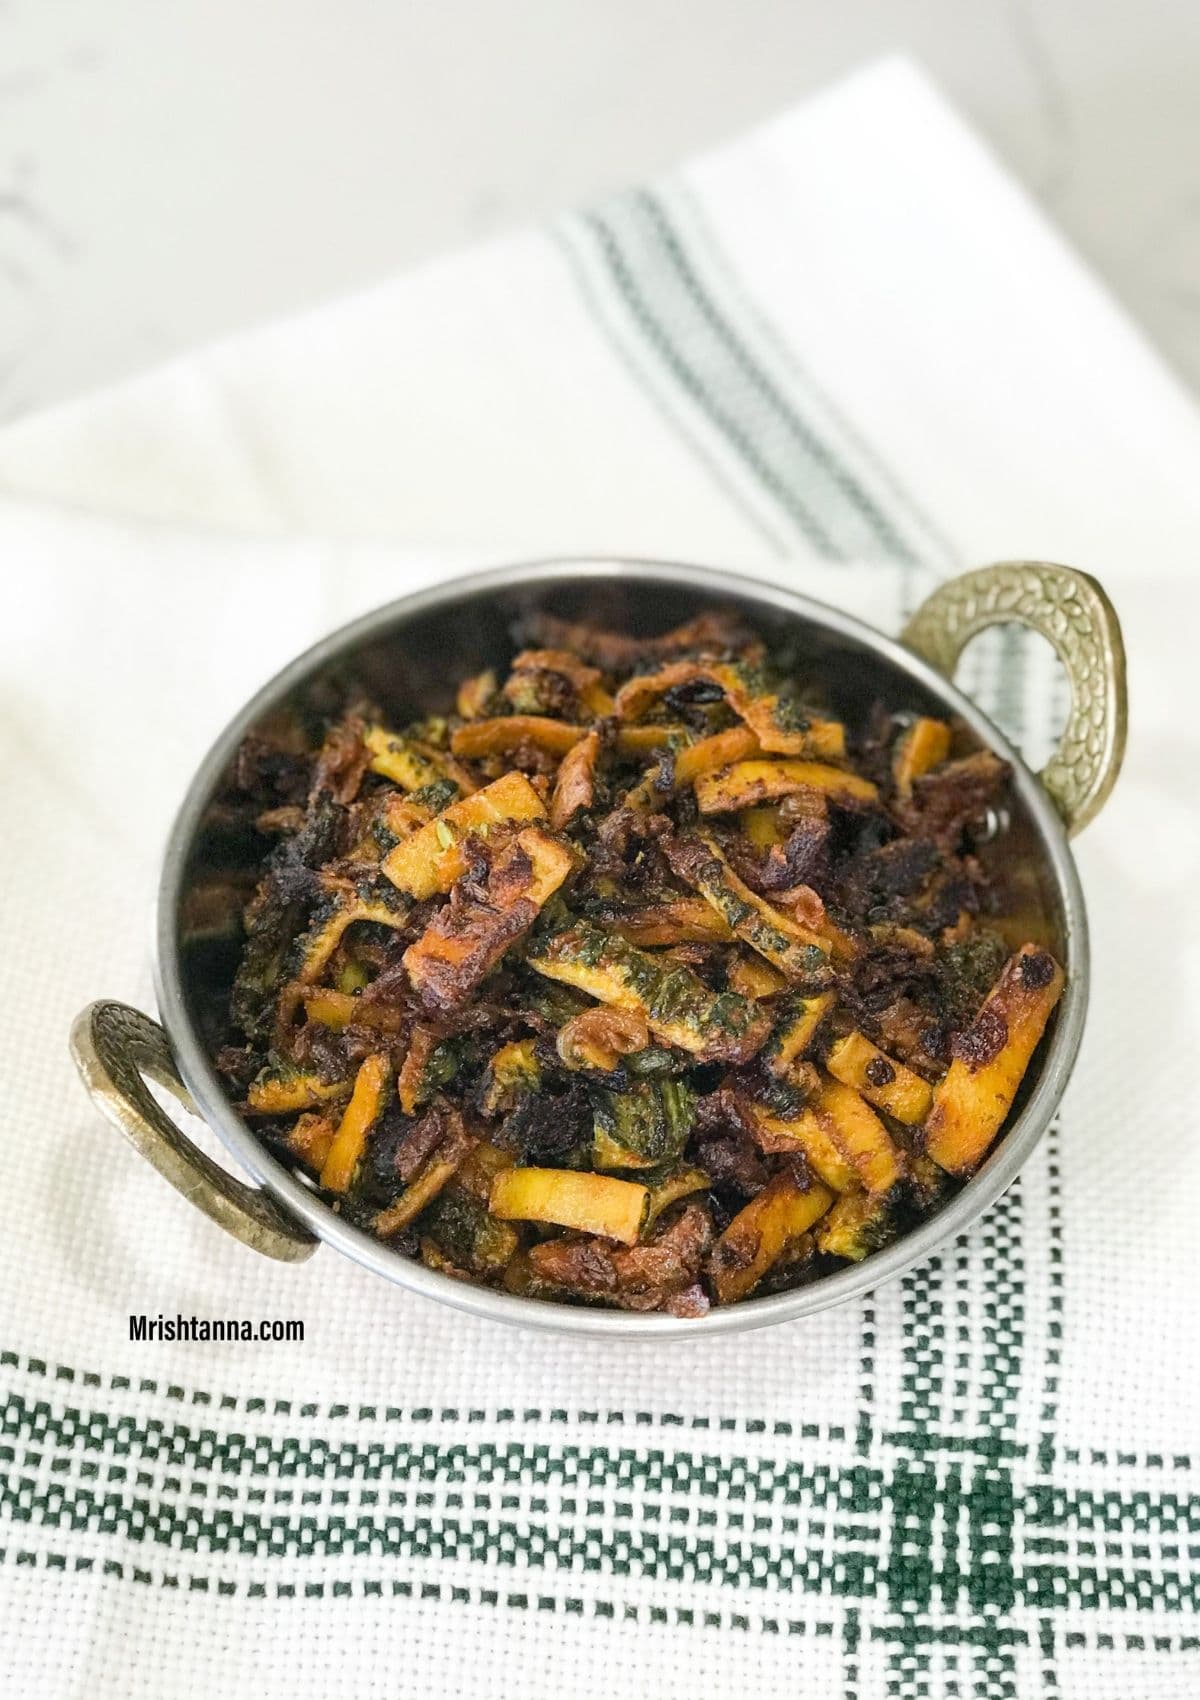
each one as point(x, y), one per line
point(637, 980)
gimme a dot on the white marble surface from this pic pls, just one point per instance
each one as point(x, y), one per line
point(174, 169)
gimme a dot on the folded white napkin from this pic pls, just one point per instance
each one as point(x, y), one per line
point(844, 351)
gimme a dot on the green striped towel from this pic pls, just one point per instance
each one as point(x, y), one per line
point(844, 352)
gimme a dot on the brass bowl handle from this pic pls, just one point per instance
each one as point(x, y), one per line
point(114, 1047)
point(1072, 612)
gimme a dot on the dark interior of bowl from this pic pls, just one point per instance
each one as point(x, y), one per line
point(411, 664)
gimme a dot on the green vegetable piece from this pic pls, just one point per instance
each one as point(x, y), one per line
point(644, 1126)
point(462, 1228)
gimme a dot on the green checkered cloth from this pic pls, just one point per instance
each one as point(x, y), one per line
point(845, 353)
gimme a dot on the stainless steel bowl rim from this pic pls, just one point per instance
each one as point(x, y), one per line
point(846, 1284)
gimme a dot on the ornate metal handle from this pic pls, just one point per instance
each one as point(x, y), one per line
point(1072, 612)
point(114, 1046)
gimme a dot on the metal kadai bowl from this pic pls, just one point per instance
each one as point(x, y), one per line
point(411, 654)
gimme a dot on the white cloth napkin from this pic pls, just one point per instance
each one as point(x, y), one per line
point(844, 351)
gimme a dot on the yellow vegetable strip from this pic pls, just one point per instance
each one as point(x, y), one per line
point(882, 1081)
point(283, 1094)
point(971, 1102)
point(924, 745)
point(859, 1135)
point(717, 751)
point(793, 1039)
point(761, 1232)
point(409, 763)
point(506, 733)
point(746, 783)
point(363, 1110)
point(592, 1204)
point(858, 1224)
point(808, 1133)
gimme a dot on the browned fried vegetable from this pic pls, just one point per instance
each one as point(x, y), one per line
point(748, 782)
point(332, 1008)
point(642, 1127)
point(763, 827)
point(632, 981)
point(508, 733)
point(575, 786)
point(413, 1087)
point(856, 1225)
point(474, 695)
point(512, 1074)
point(316, 947)
point(502, 736)
point(599, 1038)
point(541, 674)
point(754, 978)
point(679, 1008)
point(925, 744)
point(639, 1277)
point(685, 920)
point(283, 1091)
point(442, 1164)
point(759, 1236)
point(842, 1138)
point(808, 1134)
point(779, 725)
point(670, 1186)
point(410, 763)
point(433, 858)
point(990, 1060)
point(310, 1138)
point(687, 765)
point(859, 1135)
point(462, 1228)
point(464, 941)
point(793, 949)
point(798, 1028)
